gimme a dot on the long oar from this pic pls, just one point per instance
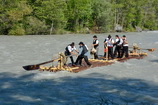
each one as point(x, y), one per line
point(151, 49)
point(37, 66)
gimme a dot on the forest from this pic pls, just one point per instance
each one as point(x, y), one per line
point(48, 17)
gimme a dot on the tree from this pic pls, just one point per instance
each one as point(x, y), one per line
point(34, 26)
point(58, 16)
point(102, 15)
point(78, 14)
point(150, 18)
point(14, 14)
point(52, 12)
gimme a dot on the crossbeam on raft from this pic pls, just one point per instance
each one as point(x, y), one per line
point(98, 60)
point(60, 66)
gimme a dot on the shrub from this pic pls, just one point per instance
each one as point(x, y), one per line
point(17, 31)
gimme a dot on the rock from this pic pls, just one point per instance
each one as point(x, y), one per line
point(118, 28)
point(138, 29)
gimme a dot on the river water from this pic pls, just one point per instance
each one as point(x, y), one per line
point(134, 82)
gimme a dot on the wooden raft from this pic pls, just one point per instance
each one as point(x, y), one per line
point(95, 63)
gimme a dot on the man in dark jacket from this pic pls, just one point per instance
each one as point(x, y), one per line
point(83, 53)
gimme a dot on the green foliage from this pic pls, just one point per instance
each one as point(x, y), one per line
point(52, 12)
point(17, 30)
point(14, 13)
point(35, 26)
point(19, 17)
point(78, 14)
point(102, 15)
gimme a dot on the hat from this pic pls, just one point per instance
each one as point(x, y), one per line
point(124, 35)
point(94, 36)
point(109, 36)
point(72, 44)
point(81, 43)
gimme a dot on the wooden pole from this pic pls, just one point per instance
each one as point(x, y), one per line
point(107, 53)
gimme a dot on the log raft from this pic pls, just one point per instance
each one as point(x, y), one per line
point(95, 63)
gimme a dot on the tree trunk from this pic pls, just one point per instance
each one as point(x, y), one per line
point(51, 29)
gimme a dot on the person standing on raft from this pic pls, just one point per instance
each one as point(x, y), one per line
point(69, 51)
point(125, 47)
point(109, 42)
point(83, 53)
point(118, 45)
point(95, 46)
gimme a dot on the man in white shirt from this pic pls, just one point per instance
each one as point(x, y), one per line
point(118, 44)
point(125, 47)
point(69, 51)
point(109, 42)
point(96, 46)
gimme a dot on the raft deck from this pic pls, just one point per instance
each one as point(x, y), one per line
point(95, 63)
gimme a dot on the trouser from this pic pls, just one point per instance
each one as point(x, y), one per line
point(117, 51)
point(104, 54)
point(86, 60)
point(110, 52)
point(71, 58)
point(79, 60)
point(96, 53)
point(105, 51)
point(125, 51)
point(95, 56)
